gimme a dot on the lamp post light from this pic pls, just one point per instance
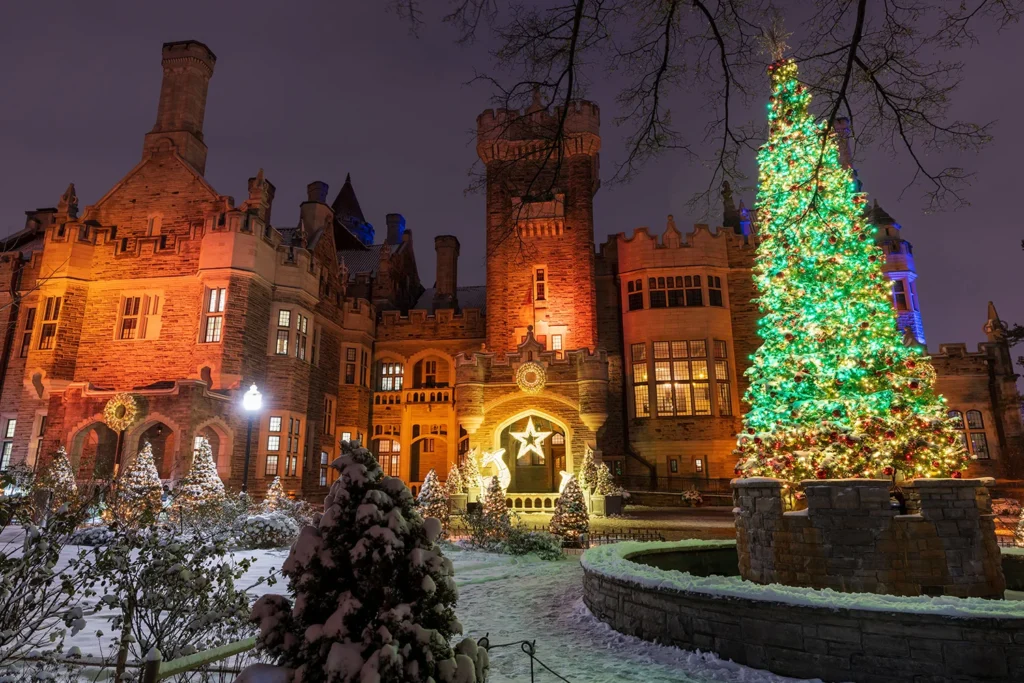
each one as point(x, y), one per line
point(252, 401)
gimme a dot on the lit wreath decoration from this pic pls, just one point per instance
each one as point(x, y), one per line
point(120, 412)
point(531, 377)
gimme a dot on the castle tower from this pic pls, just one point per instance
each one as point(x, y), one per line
point(188, 67)
point(900, 269)
point(540, 224)
point(446, 247)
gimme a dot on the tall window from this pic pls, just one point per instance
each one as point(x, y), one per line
point(388, 454)
point(314, 355)
point(556, 344)
point(350, 365)
point(714, 290)
point(291, 463)
point(8, 445)
point(284, 324)
point(657, 292)
point(51, 313)
point(323, 468)
point(681, 378)
point(722, 392)
point(274, 439)
point(972, 435)
point(430, 372)
point(899, 295)
point(364, 372)
point(301, 328)
point(390, 376)
point(328, 415)
point(641, 392)
point(635, 292)
point(213, 317)
point(26, 337)
point(539, 284)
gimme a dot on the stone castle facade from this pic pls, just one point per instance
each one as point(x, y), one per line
point(183, 297)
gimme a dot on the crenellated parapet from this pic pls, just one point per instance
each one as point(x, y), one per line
point(443, 323)
point(504, 134)
point(644, 249)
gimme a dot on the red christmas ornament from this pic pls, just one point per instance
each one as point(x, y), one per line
point(798, 378)
point(936, 464)
point(887, 471)
point(909, 457)
point(790, 337)
point(889, 434)
point(956, 475)
point(836, 413)
point(821, 474)
point(915, 385)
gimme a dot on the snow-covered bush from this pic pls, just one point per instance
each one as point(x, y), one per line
point(176, 592)
point(58, 480)
point(522, 541)
point(266, 530)
point(692, 497)
point(41, 595)
point(456, 483)
point(92, 535)
point(201, 493)
point(433, 500)
point(136, 497)
point(1006, 507)
point(371, 596)
point(276, 497)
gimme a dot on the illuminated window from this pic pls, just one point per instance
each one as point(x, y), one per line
point(346, 436)
point(390, 376)
point(271, 468)
point(388, 455)
point(284, 323)
point(681, 378)
point(213, 314)
point(722, 391)
point(556, 344)
point(301, 329)
point(641, 390)
point(673, 466)
point(5, 455)
point(9, 431)
point(273, 443)
point(972, 434)
point(698, 465)
point(275, 424)
point(714, 290)
point(51, 313)
point(26, 338)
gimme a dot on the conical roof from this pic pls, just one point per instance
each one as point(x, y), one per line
point(345, 205)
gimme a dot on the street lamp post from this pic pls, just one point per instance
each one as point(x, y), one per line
point(251, 402)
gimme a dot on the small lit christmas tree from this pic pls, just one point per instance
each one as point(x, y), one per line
point(570, 519)
point(834, 392)
point(605, 485)
point(59, 480)
point(455, 484)
point(588, 471)
point(471, 475)
point(136, 500)
point(433, 500)
point(201, 489)
point(495, 509)
point(371, 596)
point(276, 498)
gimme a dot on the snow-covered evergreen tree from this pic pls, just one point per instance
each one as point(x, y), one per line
point(471, 474)
point(570, 518)
point(59, 479)
point(605, 484)
point(588, 471)
point(201, 489)
point(456, 484)
point(372, 597)
point(433, 500)
point(276, 498)
point(136, 498)
point(495, 509)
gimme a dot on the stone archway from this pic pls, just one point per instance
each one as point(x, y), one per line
point(165, 436)
point(221, 438)
point(539, 474)
point(93, 452)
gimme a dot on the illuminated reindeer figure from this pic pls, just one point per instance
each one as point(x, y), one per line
point(504, 474)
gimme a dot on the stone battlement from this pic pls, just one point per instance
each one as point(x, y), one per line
point(512, 124)
point(444, 323)
point(850, 539)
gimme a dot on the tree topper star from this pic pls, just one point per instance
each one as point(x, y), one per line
point(531, 440)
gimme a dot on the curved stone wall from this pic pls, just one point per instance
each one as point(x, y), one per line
point(806, 641)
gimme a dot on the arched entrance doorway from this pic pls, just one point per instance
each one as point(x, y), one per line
point(94, 452)
point(536, 448)
point(162, 439)
point(219, 436)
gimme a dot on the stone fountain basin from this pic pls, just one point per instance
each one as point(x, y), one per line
point(688, 594)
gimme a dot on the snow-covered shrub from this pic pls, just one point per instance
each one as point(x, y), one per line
point(41, 594)
point(372, 597)
point(266, 530)
point(1006, 507)
point(176, 592)
point(92, 535)
point(276, 497)
point(201, 493)
point(692, 497)
point(456, 483)
point(137, 492)
point(433, 500)
point(522, 541)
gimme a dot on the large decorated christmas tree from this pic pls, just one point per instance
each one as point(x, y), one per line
point(371, 596)
point(136, 499)
point(834, 391)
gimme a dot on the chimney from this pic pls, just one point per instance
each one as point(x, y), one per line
point(188, 67)
point(261, 195)
point(843, 135)
point(396, 228)
point(446, 284)
point(316, 191)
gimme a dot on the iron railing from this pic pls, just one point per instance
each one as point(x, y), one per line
point(675, 484)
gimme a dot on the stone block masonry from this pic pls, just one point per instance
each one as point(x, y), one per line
point(851, 540)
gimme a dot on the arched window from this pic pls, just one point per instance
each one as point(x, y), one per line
point(974, 420)
point(958, 419)
point(390, 376)
point(972, 434)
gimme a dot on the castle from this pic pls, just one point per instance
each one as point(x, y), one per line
point(181, 298)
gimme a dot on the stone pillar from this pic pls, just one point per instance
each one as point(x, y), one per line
point(758, 513)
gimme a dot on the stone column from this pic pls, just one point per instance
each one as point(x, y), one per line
point(758, 513)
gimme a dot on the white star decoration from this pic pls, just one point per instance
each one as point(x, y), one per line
point(531, 440)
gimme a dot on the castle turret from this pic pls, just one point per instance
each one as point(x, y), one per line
point(540, 224)
point(188, 67)
point(315, 213)
point(349, 218)
point(899, 268)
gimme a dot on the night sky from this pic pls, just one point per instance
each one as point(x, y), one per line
point(312, 91)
